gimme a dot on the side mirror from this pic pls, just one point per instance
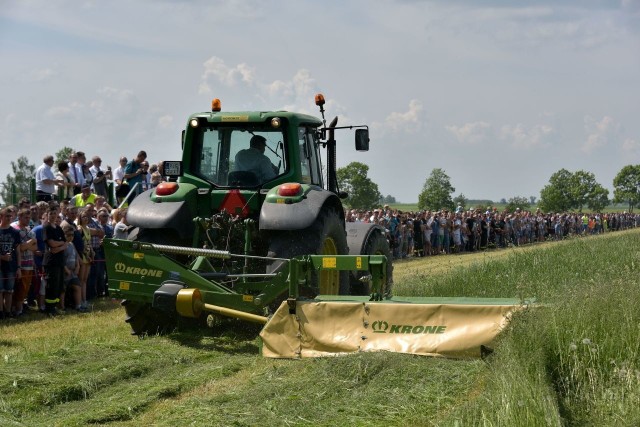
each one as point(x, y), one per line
point(362, 139)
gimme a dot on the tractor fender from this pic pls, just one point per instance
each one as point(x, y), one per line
point(145, 213)
point(358, 234)
point(298, 216)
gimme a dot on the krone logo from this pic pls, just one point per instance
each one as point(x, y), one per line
point(137, 271)
point(380, 326)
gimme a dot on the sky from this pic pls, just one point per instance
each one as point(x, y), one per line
point(498, 94)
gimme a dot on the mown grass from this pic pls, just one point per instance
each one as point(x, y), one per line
point(571, 361)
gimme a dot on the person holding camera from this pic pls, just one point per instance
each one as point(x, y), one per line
point(133, 173)
point(100, 176)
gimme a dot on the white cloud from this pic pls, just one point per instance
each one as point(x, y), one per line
point(471, 133)
point(165, 121)
point(519, 136)
point(40, 75)
point(59, 112)
point(599, 133)
point(279, 88)
point(216, 68)
point(408, 121)
point(631, 146)
point(204, 88)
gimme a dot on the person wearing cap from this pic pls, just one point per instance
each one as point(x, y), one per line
point(253, 160)
point(84, 198)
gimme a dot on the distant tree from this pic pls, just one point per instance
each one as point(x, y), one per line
point(436, 192)
point(363, 193)
point(576, 190)
point(503, 201)
point(389, 199)
point(518, 202)
point(461, 200)
point(598, 198)
point(587, 192)
point(557, 196)
point(532, 199)
point(18, 181)
point(626, 186)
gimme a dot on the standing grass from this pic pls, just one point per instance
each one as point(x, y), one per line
point(573, 360)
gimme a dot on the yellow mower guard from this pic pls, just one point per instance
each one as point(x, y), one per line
point(326, 328)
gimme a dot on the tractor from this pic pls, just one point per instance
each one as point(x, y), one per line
point(250, 185)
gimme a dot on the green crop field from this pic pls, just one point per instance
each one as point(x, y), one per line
point(572, 360)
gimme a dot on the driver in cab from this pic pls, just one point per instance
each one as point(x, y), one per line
point(253, 160)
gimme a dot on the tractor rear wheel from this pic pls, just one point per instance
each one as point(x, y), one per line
point(146, 320)
point(376, 245)
point(326, 236)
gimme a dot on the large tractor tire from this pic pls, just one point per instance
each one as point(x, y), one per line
point(145, 320)
point(326, 236)
point(376, 245)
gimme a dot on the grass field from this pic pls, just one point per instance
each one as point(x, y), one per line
point(574, 360)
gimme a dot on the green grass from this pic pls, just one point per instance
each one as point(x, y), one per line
point(574, 360)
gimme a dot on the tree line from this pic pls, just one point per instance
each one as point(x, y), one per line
point(565, 191)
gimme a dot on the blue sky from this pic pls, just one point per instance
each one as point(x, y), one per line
point(500, 95)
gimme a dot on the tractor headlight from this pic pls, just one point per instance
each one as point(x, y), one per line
point(275, 122)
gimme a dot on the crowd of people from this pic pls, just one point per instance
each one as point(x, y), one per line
point(78, 174)
point(53, 257)
point(428, 233)
point(51, 251)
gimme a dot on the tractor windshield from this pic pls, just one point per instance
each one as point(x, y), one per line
point(238, 157)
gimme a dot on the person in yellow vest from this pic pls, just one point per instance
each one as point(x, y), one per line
point(84, 198)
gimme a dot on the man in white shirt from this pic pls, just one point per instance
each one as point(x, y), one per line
point(75, 170)
point(45, 180)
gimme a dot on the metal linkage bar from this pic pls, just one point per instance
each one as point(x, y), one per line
point(182, 250)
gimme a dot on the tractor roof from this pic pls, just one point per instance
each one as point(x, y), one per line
point(257, 117)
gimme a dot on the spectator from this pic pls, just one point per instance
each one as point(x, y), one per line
point(157, 174)
point(86, 173)
point(100, 177)
point(86, 256)
point(98, 268)
point(118, 178)
point(75, 170)
point(10, 259)
point(145, 182)
point(71, 270)
point(133, 173)
point(27, 247)
point(84, 198)
point(45, 180)
point(68, 184)
point(54, 261)
point(101, 203)
point(121, 227)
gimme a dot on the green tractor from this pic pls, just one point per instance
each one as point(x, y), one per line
point(250, 184)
